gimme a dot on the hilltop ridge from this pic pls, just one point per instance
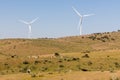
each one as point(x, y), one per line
point(91, 42)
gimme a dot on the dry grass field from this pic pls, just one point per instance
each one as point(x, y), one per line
point(89, 57)
point(93, 42)
point(94, 75)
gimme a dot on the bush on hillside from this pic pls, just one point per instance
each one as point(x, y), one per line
point(61, 66)
point(36, 62)
point(13, 56)
point(85, 56)
point(25, 62)
point(84, 69)
point(112, 39)
point(92, 37)
point(75, 59)
point(57, 54)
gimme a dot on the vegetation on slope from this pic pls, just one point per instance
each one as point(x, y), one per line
point(93, 42)
point(99, 51)
point(95, 61)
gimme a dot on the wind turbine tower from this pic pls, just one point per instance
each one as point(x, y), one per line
point(81, 19)
point(29, 26)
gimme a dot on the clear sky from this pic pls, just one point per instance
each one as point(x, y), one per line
point(57, 18)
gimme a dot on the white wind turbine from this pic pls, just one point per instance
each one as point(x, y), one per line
point(81, 19)
point(29, 25)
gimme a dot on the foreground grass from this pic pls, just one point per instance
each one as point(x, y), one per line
point(73, 75)
point(93, 61)
point(97, 65)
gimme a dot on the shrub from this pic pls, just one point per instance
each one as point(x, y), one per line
point(57, 54)
point(46, 61)
point(117, 64)
point(6, 64)
point(36, 62)
point(112, 39)
point(25, 62)
point(13, 56)
point(44, 69)
point(60, 61)
point(92, 37)
point(85, 56)
point(50, 73)
point(90, 63)
point(98, 38)
point(84, 69)
point(75, 59)
point(105, 37)
point(82, 37)
point(61, 66)
point(103, 40)
point(68, 60)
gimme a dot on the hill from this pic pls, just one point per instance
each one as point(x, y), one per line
point(92, 42)
point(56, 56)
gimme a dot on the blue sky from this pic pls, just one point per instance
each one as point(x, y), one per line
point(57, 18)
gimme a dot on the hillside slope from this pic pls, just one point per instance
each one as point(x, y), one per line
point(92, 42)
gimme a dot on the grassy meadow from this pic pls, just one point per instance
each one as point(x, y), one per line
point(89, 57)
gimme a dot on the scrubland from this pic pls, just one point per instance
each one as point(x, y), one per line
point(89, 57)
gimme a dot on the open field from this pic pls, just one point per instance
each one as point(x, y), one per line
point(96, 75)
point(100, 65)
point(89, 57)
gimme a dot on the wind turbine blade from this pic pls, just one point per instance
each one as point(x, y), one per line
point(77, 12)
point(24, 22)
point(88, 15)
point(34, 20)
